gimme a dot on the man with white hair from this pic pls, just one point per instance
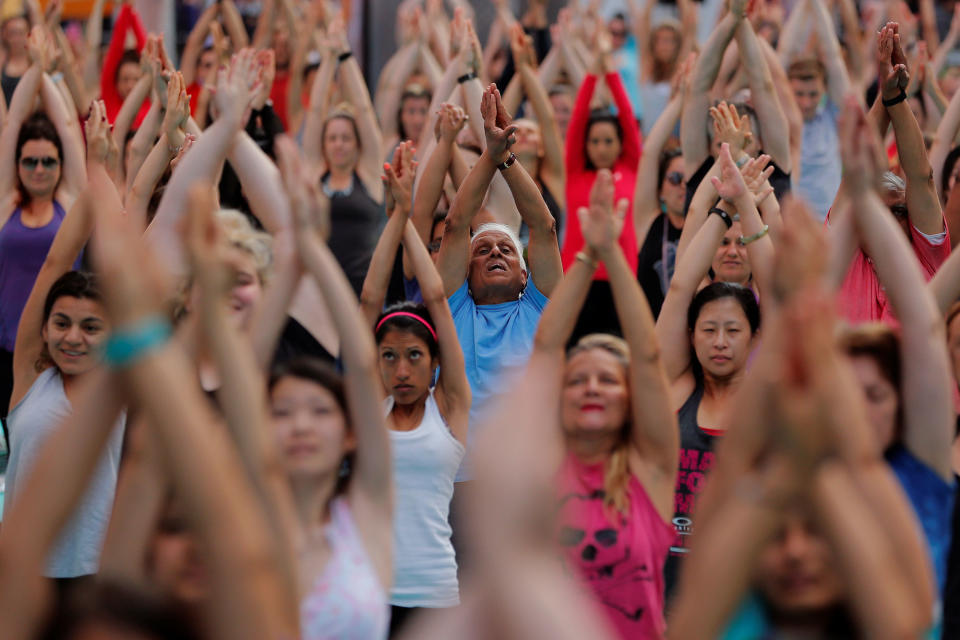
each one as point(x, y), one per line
point(496, 301)
point(913, 201)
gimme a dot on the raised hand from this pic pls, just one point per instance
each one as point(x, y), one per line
point(310, 207)
point(730, 127)
point(458, 27)
point(237, 86)
point(37, 46)
point(756, 175)
point(681, 79)
point(730, 185)
point(496, 125)
point(398, 178)
point(452, 119)
point(267, 61)
point(800, 261)
point(520, 46)
point(178, 108)
point(891, 62)
point(337, 35)
point(602, 222)
point(98, 133)
point(188, 140)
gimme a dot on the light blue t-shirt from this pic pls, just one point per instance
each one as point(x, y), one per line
point(496, 340)
point(820, 165)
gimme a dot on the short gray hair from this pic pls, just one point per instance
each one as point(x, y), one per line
point(490, 227)
point(891, 182)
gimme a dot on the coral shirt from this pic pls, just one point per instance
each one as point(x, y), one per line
point(862, 298)
point(580, 179)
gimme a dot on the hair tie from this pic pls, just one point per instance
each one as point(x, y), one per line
point(408, 315)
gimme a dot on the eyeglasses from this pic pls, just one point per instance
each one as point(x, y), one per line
point(433, 246)
point(899, 211)
point(30, 162)
point(675, 178)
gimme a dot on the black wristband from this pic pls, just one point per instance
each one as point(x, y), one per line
point(895, 100)
point(343, 56)
point(506, 164)
point(723, 216)
point(467, 77)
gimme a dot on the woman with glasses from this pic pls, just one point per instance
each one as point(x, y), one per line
point(44, 171)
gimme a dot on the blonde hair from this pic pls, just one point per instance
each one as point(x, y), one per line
point(240, 233)
point(616, 471)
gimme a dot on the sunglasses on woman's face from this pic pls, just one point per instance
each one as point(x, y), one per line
point(675, 178)
point(433, 246)
point(30, 162)
point(899, 211)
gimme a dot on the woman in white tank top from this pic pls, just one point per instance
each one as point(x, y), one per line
point(428, 425)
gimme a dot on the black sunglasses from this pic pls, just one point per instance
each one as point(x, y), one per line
point(31, 162)
point(433, 246)
point(675, 178)
point(899, 211)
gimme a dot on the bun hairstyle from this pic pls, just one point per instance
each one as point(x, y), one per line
point(412, 318)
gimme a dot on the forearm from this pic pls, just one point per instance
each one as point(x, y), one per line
point(393, 78)
point(429, 187)
point(65, 121)
point(377, 280)
point(142, 142)
point(879, 595)
point(140, 192)
point(131, 106)
point(233, 24)
point(317, 111)
point(261, 181)
point(577, 127)
point(770, 115)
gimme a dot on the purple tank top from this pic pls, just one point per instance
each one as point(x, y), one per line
point(22, 252)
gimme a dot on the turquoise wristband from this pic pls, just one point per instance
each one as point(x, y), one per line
point(126, 346)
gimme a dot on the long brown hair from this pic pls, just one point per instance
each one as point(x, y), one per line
point(616, 471)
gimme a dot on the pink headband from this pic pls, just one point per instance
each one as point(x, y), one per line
point(407, 314)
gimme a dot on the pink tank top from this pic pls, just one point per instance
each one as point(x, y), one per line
point(347, 602)
point(620, 557)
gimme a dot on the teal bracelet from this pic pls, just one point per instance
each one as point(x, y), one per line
point(126, 346)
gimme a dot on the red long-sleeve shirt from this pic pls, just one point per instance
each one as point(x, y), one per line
point(580, 179)
point(127, 19)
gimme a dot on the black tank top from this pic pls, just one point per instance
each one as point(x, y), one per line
point(696, 460)
point(356, 221)
point(8, 84)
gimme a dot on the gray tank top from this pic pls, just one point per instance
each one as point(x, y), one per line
point(77, 549)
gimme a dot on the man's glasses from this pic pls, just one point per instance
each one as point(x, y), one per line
point(675, 178)
point(30, 162)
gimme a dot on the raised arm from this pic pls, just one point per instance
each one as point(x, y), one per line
point(770, 116)
point(672, 334)
point(355, 89)
point(574, 156)
point(838, 82)
point(67, 244)
point(653, 430)
point(74, 175)
point(399, 175)
point(545, 266)
point(19, 109)
point(646, 205)
point(927, 407)
point(371, 489)
point(94, 37)
point(693, 128)
point(233, 25)
point(194, 45)
point(236, 89)
point(552, 170)
point(127, 20)
point(453, 383)
point(317, 111)
point(390, 87)
point(251, 597)
point(944, 140)
point(436, 163)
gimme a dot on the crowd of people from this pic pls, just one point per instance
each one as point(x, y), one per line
point(633, 325)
